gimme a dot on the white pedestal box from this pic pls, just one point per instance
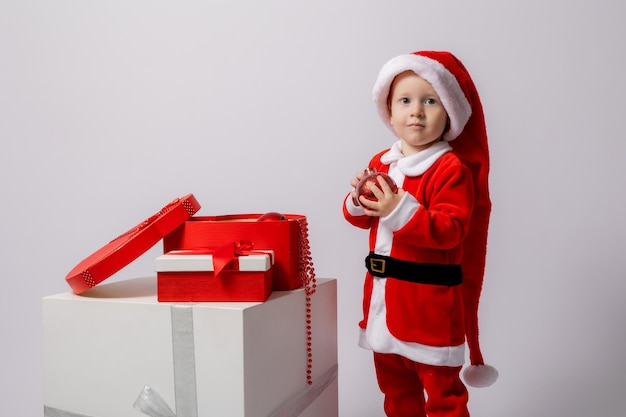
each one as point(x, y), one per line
point(217, 359)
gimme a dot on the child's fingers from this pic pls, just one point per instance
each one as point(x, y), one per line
point(367, 204)
point(378, 193)
point(384, 186)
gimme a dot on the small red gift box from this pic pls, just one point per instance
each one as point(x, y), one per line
point(196, 275)
point(286, 236)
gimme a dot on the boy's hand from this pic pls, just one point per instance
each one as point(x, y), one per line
point(354, 182)
point(387, 199)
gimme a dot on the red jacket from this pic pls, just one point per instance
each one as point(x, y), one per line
point(431, 315)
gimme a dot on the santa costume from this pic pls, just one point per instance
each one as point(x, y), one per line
point(427, 257)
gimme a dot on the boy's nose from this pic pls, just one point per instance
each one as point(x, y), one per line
point(417, 110)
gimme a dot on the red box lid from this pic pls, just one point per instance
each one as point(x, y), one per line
point(127, 247)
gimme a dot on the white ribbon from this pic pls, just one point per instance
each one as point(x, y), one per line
point(152, 404)
point(57, 412)
point(296, 405)
point(149, 401)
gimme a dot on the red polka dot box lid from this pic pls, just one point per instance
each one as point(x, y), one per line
point(127, 247)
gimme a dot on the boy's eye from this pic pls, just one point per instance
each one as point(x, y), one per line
point(430, 101)
point(405, 100)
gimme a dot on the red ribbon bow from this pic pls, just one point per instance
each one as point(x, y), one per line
point(226, 254)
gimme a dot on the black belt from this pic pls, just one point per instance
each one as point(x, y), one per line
point(422, 273)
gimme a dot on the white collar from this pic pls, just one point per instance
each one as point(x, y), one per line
point(416, 164)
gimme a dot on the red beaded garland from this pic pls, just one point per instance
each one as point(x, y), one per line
point(307, 275)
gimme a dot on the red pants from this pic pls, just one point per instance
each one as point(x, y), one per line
point(404, 382)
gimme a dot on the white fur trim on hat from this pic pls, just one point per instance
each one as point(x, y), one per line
point(442, 80)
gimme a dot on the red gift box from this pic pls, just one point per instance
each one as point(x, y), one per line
point(287, 237)
point(203, 276)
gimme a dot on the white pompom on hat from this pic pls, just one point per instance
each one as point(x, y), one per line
point(467, 135)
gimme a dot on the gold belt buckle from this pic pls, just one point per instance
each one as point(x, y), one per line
point(378, 265)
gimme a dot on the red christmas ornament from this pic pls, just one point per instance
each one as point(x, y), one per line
point(272, 215)
point(371, 176)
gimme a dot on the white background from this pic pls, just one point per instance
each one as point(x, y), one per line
point(108, 110)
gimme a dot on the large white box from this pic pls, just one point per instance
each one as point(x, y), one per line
point(101, 348)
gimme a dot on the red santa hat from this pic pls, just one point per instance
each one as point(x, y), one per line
point(467, 135)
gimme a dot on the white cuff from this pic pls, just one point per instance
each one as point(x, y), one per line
point(403, 212)
point(352, 208)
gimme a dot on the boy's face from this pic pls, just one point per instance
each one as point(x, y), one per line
point(417, 115)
